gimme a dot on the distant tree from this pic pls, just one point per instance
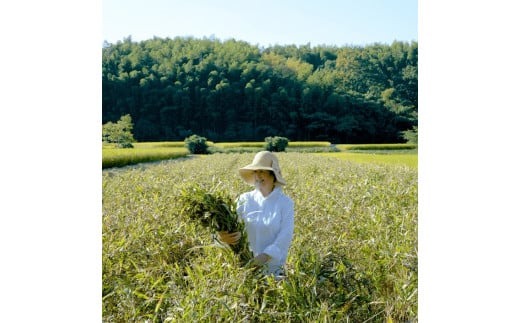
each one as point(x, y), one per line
point(276, 143)
point(196, 144)
point(234, 91)
point(119, 133)
point(411, 136)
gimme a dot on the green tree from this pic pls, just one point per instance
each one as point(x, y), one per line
point(232, 91)
point(411, 136)
point(119, 133)
point(276, 143)
point(196, 144)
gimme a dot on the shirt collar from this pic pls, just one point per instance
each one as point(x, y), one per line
point(276, 191)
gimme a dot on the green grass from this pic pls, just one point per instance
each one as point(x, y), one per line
point(353, 256)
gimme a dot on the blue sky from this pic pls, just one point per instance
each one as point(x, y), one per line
point(266, 22)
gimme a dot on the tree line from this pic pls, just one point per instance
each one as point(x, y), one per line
point(234, 91)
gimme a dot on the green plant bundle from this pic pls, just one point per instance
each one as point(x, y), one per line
point(214, 209)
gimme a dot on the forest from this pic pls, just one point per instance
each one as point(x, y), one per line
point(234, 91)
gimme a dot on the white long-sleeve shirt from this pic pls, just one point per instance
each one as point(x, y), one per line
point(269, 223)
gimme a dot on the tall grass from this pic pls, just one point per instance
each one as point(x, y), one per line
point(353, 256)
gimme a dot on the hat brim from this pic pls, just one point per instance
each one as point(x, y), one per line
point(248, 174)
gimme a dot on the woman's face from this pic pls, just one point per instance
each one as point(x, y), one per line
point(264, 179)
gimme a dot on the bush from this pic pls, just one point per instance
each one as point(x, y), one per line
point(125, 145)
point(276, 143)
point(196, 144)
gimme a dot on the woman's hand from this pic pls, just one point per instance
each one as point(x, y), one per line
point(229, 238)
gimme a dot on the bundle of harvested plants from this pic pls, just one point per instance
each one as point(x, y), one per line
point(216, 210)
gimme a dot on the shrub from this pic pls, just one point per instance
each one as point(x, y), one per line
point(196, 144)
point(276, 143)
point(125, 145)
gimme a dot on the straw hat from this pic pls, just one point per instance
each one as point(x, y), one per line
point(264, 160)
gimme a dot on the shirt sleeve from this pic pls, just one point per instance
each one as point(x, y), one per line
point(241, 204)
point(280, 247)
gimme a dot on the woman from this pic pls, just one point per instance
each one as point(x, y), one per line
point(267, 212)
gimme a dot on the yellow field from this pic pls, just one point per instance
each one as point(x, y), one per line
point(241, 144)
point(162, 144)
point(375, 146)
point(303, 144)
point(410, 160)
point(142, 152)
point(152, 151)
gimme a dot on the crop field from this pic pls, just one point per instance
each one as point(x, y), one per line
point(155, 151)
point(377, 147)
point(408, 159)
point(142, 152)
point(353, 257)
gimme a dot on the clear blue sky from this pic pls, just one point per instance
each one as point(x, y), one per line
point(266, 22)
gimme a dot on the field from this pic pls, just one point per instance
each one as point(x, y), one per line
point(353, 256)
point(408, 159)
point(377, 147)
point(142, 152)
point(156, 151)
